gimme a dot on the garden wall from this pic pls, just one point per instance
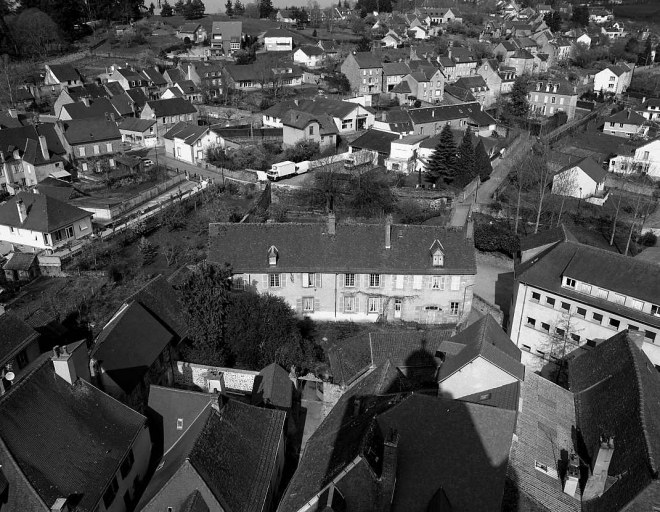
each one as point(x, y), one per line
point(235, 380)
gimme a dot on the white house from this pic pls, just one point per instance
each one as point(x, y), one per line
point(650, 109)
point(278, 40)
point(404, 154)
point(310, 56)
point(189, 142)
point(645, 160)
point(626, 123)
point(613, 79)
point(584, 39)
point(582, 179)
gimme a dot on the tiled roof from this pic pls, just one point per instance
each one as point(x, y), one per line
point(522, 54)
point(471, 111)
point(98, 108)
point(129, 345)
point(273, 387)
point(504, 397)
point(175, 91)
point(123, 104)
point(318, 106)
point(311, 50)
point(15, 334)
point(19, 261)
point(598, 267)
point(375, 140)
point(619, 69)
point(64, 72)
point(135, 124)
point(300, 120)
point(88, 131)
point(471, 82)
point(170, 406)
point(115, 88)
point(174, 75)
point(189, 28)
point(349, 358)
point(171, 107)
point(17, 138)
point(590, 168)
point(44, 214)
point(399, 120)
point(233, 452)
point(487, 340)
point(395, 68)
point(154, 76)
point(187, 132)
point(36, 420)
point(617, 393)
point(277, 32)
point(627, 116)
point(358, 248)
point(462, 55)
point(563, 87)
point(187, 86)
point(546, 421)
point(367, 60)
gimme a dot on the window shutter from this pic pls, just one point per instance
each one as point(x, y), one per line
point(317, 304)
point(264, 281)
point(319, 280)
point(283, 280)
point(341, 303)
point(342, 281)
point(299, 305)
point(305, 280)
point(428, 280)
point(357, 304)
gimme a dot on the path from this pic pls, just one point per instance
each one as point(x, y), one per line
point(494, 281)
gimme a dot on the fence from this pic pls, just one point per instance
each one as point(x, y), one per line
point(569, 128)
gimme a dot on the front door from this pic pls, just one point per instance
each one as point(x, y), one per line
point(397, 308)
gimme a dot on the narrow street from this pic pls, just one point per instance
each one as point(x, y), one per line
point(501, 169)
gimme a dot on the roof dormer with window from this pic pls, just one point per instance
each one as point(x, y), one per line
point(273, 255)
point(437, 254)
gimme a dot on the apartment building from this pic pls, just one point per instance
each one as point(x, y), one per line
point(361, 272)
point(364, 71)
point(569, 293)
point(547, 97)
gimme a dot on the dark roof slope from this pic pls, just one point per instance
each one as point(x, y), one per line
point(375, 140)
point(15, 335)
point(17, 138)
point(273, 387)
point(171, 107)
point(130, 344)
point(68, 440)
point(358, 248)
point(617, 393)
point(590, 168)
point(44, 214)
point(64, 72)
point(19, 261)
point(98, 108)
point(627, 116)
point(367, 60)
point(471, 111)
point(88, 131)
point(187, 132)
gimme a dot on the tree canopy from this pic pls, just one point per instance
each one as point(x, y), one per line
point(482, 164)
point(466, 168)
point(518, 104)
point(443, 163)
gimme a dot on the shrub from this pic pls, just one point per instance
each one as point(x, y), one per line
point(147, 250)
point(648, 239)
point(493, 238)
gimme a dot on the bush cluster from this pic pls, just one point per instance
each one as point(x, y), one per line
point(493, 238)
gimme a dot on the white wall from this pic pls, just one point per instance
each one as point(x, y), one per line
point(480, 375)
point(574, 183)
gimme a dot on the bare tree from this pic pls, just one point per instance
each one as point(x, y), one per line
point(616, 217)
point(563, 185)
point(561, 339)
point(541, 174)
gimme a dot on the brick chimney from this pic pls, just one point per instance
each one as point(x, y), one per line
point(71, 362)
point(22, 211)
point(388, 472)
point(388, 232)
point(44, 147)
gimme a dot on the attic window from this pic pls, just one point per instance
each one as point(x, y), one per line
point(437, 253)
point(179, 424)
point(272, 255)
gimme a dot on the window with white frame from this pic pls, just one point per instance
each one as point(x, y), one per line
point(373, 305)
point(311, 280)
point(349, 280)
point(108, 147)
point(308, 304)
point(655, 310)
point(274, 281)
point(81, 151)
point(453, 308)
point(350, 305)
point(569, 282)
point(374, 280)
point(438, 259)
point(438, 282)
point(455, 283)
point(417, 282)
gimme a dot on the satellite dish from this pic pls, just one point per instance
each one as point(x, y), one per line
point(10, 376)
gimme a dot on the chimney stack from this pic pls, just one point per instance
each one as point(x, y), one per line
point(13, 113)
point(71, 362)
point(572, 475)
point(86, 101)
point(388, 232)
point(44, 147)
point(22, 211)
point(332, 224)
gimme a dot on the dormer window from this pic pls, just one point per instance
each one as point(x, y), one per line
point(272, 255)
point(437, 254)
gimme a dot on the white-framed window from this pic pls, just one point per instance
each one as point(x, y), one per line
point(373, 305)
point(108, 147)
point(179, 424)
point(311, 280)
point(438, 282)
point(549, 301)
point(536, 297)
point(455, 283)
point(81, 151)
point(417, 282)
point(349, 280)
point(374, 280)
point(531, 321)
point(617, 298)
point(274, 281)
point(308, 304)
point(597, 317)
point(438, 259)
point(655, 310)
point(350, 305)
point(453, 308)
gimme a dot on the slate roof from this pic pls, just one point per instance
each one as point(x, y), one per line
point(399, 120)
point(617, 393)
point(187, 86)
point(273, 387)
point(187, 132)
point(18, 137)
point(318, 106)
point(651, 102)
point(549, 236)
point(15, 334)
point(115, 88)
point(619, 69)
point(395, 68)
point(485, 339)
point(367, 60)
point(627, 116)
point(375, 140)
point(300, 120)
point(56, 459)
point(189, 28)
point(277, 32)
point(358, 248)
point(171, 107)
point(166, 406)
point(176, 92)
point(470, 111)
point(20, 261)
point(123, 104)
point(471, 82)
point(154, 76)
point(590, 168)
point(174, 75)
point(232, 452)
point(98, 108)
point(135, 124)
point(129, 344)
point(606, 269)
point(44, 214)
point(504, 397)
point(564, 87)
point(521, 53)
point(462, 55)
point(64, 72)
point(311, 50)
point(88, 131)
point(546, 421)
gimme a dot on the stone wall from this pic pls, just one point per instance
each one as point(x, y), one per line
point(193, 374)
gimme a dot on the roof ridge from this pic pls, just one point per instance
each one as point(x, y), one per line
point(25, 377)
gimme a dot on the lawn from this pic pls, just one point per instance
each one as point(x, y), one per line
point(251, 26)
point(592, 143)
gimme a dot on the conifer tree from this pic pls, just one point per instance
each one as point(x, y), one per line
point(482, 161)
point(466, 160)
point(229, 8)
point(518, 104)
point(443, 163)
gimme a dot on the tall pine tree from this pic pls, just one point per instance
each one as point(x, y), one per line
point(466, 160)
point(482, 161)
point(443, 163)
point(239, 8)
point(518, 104)
point(229, 8)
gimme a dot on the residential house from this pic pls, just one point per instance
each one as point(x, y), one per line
point(348, 117)
point(226, 37)
point(579, 36)
point(568, 291)
point(419, 31)
point(28, 155)
point(375, 140)
point(192, 32)
point(498, 78)
point(278, 40)
point(392, 39)
point(309, 56)
point(127, 77)
point(89, 142)
point(285, 16)
point(251, 77)
point(77, 93)
point(167, 113)
point(614, 31)
point(582, 180)
point(430, 143)
point(430, 120)
point(207, 76)
point(301, 126)
point(19, 344)
point(560, 49)
point(35, 423)
point(393, 74)
point(185, 89)
point(21, 267)
point(138, 132)
point(86, 108)
point(547, 97)
point(644, 159)
point(155, 83)
point(627, 123)
point(330, 48)
point(403, 154)
point(464, 60)
point(426, 83)
point(600, 16)
point(34, 222)
point(505, 49)
point(364, 71)
point(478, 88)
point(188, 142)
point(613, 79)
point(650, 109)
point(61, 76)
point(369, 272)
point(247, 441)
point(522, 61)
point(395, 120)
point(174, 75)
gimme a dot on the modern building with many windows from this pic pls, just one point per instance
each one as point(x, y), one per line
point(354, 272)
point(569, 295)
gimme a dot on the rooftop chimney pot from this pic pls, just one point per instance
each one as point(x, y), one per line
point(22, 211)
point(43, 144)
